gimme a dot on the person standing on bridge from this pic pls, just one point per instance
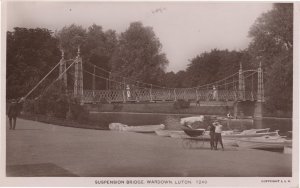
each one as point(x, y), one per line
point(218, 135)
point(215, 93)
point(13, 111)
point(128, 92)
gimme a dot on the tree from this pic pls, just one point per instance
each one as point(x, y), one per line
point(211, 66)
point(31, 54)
point(96, 48)
point(138, 55)
point(99, 48)
point(272, 44)
point(70, 38)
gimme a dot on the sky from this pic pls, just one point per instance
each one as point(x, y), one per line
point(185, 29)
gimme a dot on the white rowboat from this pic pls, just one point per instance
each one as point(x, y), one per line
point(264, 142)
point(145, 128)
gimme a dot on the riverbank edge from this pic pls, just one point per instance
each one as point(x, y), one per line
point(61, 122)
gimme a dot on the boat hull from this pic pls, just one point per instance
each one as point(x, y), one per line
point(250, 135)
point(261, 144)
point(166, 133)
point(145, 128)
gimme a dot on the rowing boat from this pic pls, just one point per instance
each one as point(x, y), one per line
point(140, 129)
point(264, 142)
point(251, 133)
point(167, 133)
point(145, 128)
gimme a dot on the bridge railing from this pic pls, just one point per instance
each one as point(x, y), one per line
point(146, 94)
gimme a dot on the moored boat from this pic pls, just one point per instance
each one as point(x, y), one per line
point(140, 129)
point(250, 133)
point(167, 133)
point(249, 120)
point(145, 128)
point(179, 135)
point(264, 142)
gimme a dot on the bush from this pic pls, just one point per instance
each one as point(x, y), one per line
point(117, 107)
point(56, 103)
point(29, 106)
point(103, 101)
point(78, 112)
point(181, 104)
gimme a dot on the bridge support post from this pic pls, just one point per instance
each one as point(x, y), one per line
point(62, 68)
point(151, 97)
point(94, 81)
point(241, 84)
point(78, 81)
point(124, 96)
point(258, 110)
point(175, 97)
point(235, 109)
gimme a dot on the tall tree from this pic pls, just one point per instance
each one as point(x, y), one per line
point(138, 54)
point(211, 66)
point(31, 53)
point(70, 38)
point(96, 47)
point(272, 44)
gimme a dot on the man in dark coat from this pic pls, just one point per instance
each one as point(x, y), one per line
point(13, 111)
point(211, 129)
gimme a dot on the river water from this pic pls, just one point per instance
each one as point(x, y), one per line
point(172, 121)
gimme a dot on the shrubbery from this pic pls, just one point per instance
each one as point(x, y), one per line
point(181, 104)
point(56, 103)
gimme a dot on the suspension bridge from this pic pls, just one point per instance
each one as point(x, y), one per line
point(244, 85)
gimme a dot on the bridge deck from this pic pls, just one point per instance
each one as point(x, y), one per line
point(90, 96)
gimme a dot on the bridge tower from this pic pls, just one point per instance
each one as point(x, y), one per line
point(78, 81)
point(241, 93)
point(62, 68)
point(260, 94)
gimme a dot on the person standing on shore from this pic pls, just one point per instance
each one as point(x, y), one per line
point(211, 129)
point(13, 111)
point(218, 136)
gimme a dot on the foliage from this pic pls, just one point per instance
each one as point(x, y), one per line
point(53, 102)
point(138, 55)
point(78, 112)
point(272, 42)
point(29, 106)
point(70, 38)
point(96, 47)
point(31, 53)
point(208, 67)
point(181, 104)
point(103, 101)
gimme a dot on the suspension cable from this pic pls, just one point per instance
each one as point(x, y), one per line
point(40, 81)
point(163, 87)
point(59, 77)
